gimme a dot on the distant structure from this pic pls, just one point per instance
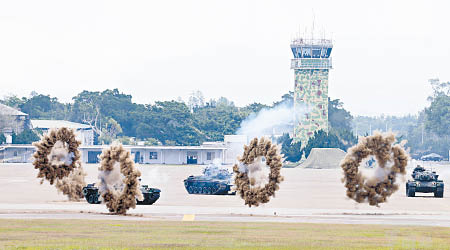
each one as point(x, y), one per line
point(12, 121)
point(311, 64)
point(84, 133)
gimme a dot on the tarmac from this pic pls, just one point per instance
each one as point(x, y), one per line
point(306, 195)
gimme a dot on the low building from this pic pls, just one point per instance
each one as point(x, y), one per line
point(176, 155)
point(84, 133)
point(12, 121)
point(173, 155)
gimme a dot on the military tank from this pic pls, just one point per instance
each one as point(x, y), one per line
point(151, 195)
point(214, 181)
point(424, 181)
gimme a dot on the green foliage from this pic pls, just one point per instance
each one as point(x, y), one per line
point(217, 121)
point(339, 118)
point(44, 107)
point(27, 136)
point(323, 140)
point(126, 140)
point(438, 115)
point(292, 151)
point(152, 142)
point(2, 138)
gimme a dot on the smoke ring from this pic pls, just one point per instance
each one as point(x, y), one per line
point(120, 202)
point(362, 189)
point(48, 170)
point(255, 196)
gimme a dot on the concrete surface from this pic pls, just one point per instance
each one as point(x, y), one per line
point(306, 195)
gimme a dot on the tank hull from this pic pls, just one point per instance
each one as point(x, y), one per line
point(413, 187)
point(151, 195)
point(207, 187)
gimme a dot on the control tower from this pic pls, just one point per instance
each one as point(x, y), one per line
point(311, 64)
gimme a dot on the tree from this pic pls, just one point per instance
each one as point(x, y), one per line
point(438, 88)
point(110, 131)
point(216, 121)
point(287, 99)
point(438, 115)
point(86, 109)
point(292, 151)
point(323, 140)
point(27, 136)
point(12, 101)
point(338, 117)
point(196, 100)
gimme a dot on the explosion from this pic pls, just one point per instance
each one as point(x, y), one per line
point(391, 159)
point(119, 184)
point(58, 159)
point(251, 179)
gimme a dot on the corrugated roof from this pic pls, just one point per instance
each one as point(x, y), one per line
point(7, 110)
point(47, 124)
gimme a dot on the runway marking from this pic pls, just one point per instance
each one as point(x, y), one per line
point(188, 217)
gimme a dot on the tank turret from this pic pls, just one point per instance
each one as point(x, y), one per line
point(214, 181)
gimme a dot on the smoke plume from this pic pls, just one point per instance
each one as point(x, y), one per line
point(215, 170)
point(268, 121)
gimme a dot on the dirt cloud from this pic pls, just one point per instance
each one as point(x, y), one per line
point(392, 160)
point(253, 186)
point(119, 184)
point(58, 159)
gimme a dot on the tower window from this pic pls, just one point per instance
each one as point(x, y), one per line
point(306, 52)
point(316, 53)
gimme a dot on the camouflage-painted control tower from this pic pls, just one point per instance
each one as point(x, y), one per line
point(311, 64)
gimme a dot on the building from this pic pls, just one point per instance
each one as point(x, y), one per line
point(84, 133)
point(173, 155)
point(12, 121)
point(311, 64)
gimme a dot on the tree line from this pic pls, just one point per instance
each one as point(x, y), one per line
point(114, 116)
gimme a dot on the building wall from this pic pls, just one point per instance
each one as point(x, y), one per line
point(86, 136)
point(310, 103)
point(17, 155)
point(164, 156)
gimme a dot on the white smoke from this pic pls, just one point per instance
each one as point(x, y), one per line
point(59, 155)
point(154, 177)
point(111, 180)
point(269, 121)
point(376, 174)
point(258, 172)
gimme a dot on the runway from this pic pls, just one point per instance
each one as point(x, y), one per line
point(306, 195)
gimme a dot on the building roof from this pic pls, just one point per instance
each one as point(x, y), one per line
point(48, 124)
point(7, 110)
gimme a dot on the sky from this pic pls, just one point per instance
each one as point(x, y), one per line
point(384, 51)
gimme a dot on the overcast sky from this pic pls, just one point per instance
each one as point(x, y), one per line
point(384, 51)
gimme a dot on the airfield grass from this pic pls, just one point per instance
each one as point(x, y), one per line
point(100, 234)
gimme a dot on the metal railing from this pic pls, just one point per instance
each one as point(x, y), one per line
point(311, 63)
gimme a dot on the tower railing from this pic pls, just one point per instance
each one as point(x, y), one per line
point(311, 63)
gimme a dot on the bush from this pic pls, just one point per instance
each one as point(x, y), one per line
point(27, 136)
